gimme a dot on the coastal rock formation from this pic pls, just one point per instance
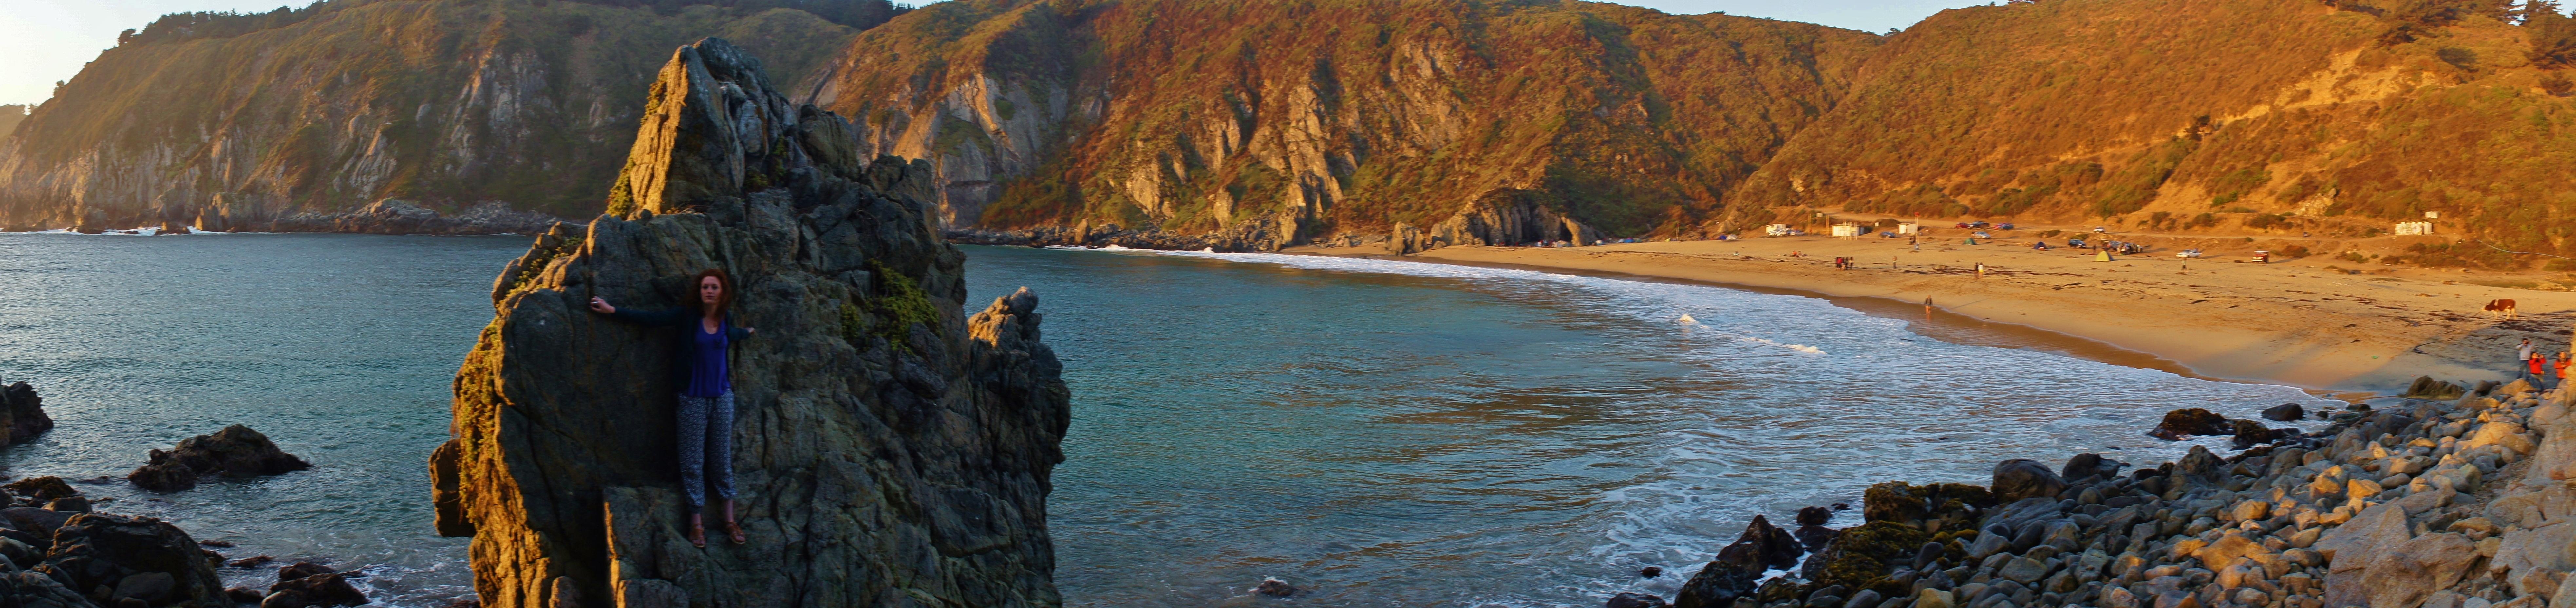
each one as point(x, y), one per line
point(1763, 547)
point(430, 116)
point(888, 450)
point(2285, 412)
point(2447, 503)
point(117, 557)
point(2190, 421)
point(22, 414)
point(236, 451)
point(305, 584)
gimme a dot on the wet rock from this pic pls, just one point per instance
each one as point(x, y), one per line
point(2089, 465)
point(236, 451)
point(1650, 572)
point(285, 599)
point(244, 595)
point(34, 589)
point(133, 553)
point(2021, 478)
point(1717, 585)
point(2198, 462)
point(41, 490)
point(2285, 412)
point(317, 586)
point(1635, 600)
point(1273, 587)
point(22, 415)
point(562, 417)
point(2190, 421)
point(1939, 506)
point(1763, 547)
point(69, 504)
point(1814, 516)
point(1862, 555)
point(41, 521)
point(251, 562)
point(2250, 433)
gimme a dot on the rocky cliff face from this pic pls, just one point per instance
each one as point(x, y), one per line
point(889, 450)
point(438, 116)
point(1252, 125)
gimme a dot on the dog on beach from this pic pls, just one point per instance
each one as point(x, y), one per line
point(2500, 308)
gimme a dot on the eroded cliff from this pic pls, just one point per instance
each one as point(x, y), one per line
point(440, 116)
point(889, 450)
point(1251, 125)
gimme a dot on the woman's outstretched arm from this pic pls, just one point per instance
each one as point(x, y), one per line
point(671, 316)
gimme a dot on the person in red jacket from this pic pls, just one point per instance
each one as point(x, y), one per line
point(2562, 367)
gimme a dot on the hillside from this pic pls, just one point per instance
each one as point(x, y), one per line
point(2253, 117)
point(284, 118)
point(1270, 122)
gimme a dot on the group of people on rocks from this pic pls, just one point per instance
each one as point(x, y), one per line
point(2541, 368)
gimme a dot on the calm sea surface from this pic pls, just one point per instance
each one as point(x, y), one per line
point(1374, 432)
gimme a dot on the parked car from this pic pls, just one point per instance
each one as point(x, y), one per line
point(2003, 226)
point(1960, 225)
point(2262, 257)
point(2076, 243)
point(1978, 224)
point(2100, 230)
point(2187, 253)
point(1983, 235)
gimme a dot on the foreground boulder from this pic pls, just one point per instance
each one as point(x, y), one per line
point(892, 451)
point(113, 558)
point(1763, 547)
point(305, 584)
point(2021, 478)
point(1717, 586)
point(2285, 412)
point(236, 451)
point(22, 415)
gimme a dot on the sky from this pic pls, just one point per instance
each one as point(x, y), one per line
point(49, 40)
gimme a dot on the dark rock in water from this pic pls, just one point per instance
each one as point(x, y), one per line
point(42, 521)
point(2250, 433)
point(68, 504)
point(912, 443)
point(1626, 599)
point(1650, 572)
point(2089, 465)
point(397, 216)
point(300, 570)
point(252, 561)
point(163, 475)
point(1946, 506)
point(1842, 506)
point(219, 544)
point(1717, 585)
point(134, 556)
point(41, 490)
point(317, 586)
point(244, 595)
point(1814, 516)
point(2021, 478)
point(2285, 412)
point(1274, 588)
point(1763, 547)
point(22, 415)
point(235, 451)
point(285, 599)
point(2190, 421)
point(1815, 537)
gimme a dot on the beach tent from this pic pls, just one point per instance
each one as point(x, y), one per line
point(2102, 255)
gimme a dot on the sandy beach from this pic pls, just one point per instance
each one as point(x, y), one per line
point(2319, 322)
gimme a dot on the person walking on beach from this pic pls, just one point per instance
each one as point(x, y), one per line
point(1927, 309)
point(705, 388)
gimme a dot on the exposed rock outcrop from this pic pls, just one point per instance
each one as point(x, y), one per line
point(114, 557)
point(236, 451)
point(889, 451)
point(22, 415)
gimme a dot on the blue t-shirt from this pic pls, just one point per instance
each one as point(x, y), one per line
point(707, 374)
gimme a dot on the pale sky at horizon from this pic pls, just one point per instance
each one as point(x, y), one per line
point(49, 40)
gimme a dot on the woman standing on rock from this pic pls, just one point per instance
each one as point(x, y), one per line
point(706, 393)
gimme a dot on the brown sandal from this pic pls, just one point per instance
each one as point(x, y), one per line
point(734, 531)
point(698, 533)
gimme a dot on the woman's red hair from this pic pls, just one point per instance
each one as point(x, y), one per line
point(724, 288)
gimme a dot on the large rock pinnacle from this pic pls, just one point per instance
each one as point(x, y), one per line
point(889, 451)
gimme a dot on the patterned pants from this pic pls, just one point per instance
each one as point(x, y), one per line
point(706, 437)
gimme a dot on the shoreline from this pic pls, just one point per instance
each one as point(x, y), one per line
point(2209, 318)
